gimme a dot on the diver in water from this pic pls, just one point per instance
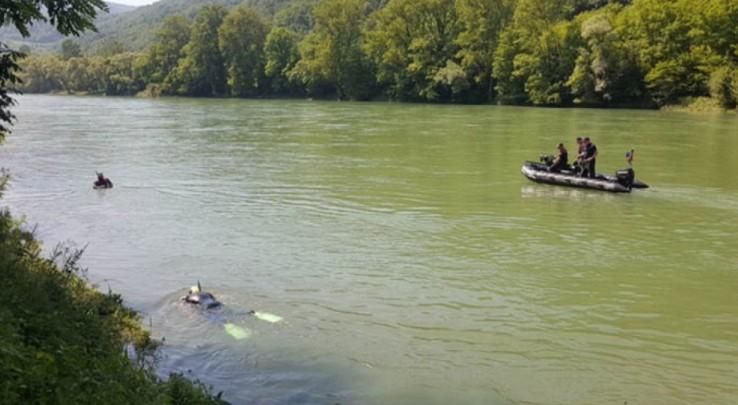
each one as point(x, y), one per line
point(102, 182)
point(206, 300)
point(198, 297)
point(561, 161)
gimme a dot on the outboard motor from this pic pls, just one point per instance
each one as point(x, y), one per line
point(625, 177)
point(546, 159)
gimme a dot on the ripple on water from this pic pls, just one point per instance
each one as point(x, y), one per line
point(411, 262)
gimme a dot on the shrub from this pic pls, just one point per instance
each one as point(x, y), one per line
point(722, 87)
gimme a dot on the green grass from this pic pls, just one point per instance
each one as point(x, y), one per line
point(696, 104)
point(64, 342)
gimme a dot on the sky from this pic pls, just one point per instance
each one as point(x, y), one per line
point(134, 2)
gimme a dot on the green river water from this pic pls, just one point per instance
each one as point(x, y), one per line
point(410, 259)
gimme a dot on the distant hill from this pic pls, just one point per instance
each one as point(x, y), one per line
point(45, 37)
point(132, 27)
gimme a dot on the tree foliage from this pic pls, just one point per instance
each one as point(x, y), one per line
point(241, 37)
point(158, 63)
point(71, 49)
point(540, 52)
point(332, 55)
point(201, 71)
point(70, 17)
point(281, 55)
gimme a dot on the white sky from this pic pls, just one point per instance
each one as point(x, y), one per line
point(134, 2)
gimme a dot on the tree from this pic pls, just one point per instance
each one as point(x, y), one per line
point(410, 41)
point(481, 22)
point(604, 71)
point(676, 44)
point(296, 16)
point(281, 55)
point(70, 17)
point(42, 74)
point(160, 60)
point(201, 71)
point(548, 64)
point(241, 38)
point(70, 49)
point(721, 87)
point(332, 53)
point(8, 77)
point(536, 53)
point(109, 47)
point(76, 75)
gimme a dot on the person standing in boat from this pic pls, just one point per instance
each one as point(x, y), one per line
point(589, 158)
point(561, 161)
point(578, 165)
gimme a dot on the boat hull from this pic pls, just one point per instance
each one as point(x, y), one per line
point(538, 173)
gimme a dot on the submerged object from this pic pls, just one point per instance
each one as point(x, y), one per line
point(236, 332)
point(623, 181)
point(265, 316)
point(198, 297)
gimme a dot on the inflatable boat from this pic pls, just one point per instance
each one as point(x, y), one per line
point(622, 182)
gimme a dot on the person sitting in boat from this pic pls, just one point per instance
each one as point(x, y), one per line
point(103, 182)
point(561, 161)
point(589, 158)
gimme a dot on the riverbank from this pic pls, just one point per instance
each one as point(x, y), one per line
point(66, 342)
point(698, 105)
point(688, 104)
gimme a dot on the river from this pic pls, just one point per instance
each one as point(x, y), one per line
point(410, 259)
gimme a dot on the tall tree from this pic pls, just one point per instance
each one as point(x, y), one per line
point(332, 53)
point(675, 46)
point(413, 44)
point(296, 16)
point(604, 71)
point(70, 49)
point(536, 53)
point(241, 39)
point(281, 55)
point(70, 17)
point(481, 22)
point(201, 71)
point(160, 60)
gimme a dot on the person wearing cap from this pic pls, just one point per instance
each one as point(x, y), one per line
point(561, 161)
point(589, 158)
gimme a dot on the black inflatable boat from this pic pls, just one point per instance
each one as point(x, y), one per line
point(622, 182)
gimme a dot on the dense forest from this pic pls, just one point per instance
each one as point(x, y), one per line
point(642, 53)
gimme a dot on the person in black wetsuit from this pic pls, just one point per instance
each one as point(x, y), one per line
point(589, 158)
point(577, 165)
point(103, 182)
point(561, 161)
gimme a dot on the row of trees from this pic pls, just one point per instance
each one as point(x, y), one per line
point(541, 52)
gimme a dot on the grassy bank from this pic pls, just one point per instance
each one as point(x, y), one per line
point(64, 342)
point(698, 105)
